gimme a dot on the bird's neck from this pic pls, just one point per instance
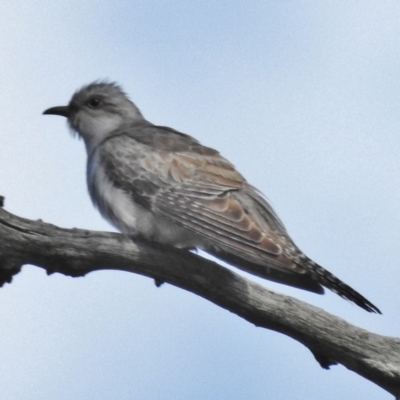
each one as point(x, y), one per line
point(96, 131)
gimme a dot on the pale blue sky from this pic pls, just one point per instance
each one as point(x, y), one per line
point(302, 96)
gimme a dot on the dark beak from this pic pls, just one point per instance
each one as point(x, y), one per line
point(61, 110)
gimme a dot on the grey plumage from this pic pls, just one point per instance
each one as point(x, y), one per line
point(157, 183)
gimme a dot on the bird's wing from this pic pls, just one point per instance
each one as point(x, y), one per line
point(199, 189)
point(196, 188)
point(208, 196)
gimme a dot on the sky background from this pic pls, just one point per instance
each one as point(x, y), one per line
point(302, 96)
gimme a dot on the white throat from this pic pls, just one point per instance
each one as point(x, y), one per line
point(95, 130)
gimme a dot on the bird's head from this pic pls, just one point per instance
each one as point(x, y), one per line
point(97, 110)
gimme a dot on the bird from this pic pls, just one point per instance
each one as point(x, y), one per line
point(158, 184)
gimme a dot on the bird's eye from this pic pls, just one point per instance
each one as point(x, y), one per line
point(94, 102)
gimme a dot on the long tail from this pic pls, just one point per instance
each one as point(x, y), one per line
point(325, 278)
point(312, 280)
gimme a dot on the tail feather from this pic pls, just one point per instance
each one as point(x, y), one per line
point(331, 282)
point(313, 277)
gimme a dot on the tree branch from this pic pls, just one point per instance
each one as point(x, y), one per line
point(76, 252)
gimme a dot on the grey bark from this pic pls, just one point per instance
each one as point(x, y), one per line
point(76, 252)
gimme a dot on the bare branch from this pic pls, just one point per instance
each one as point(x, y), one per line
point(75, 252)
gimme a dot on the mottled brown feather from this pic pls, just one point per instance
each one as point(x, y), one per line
point(221, 215)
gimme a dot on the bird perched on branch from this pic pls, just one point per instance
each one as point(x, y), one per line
point(162, 185)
